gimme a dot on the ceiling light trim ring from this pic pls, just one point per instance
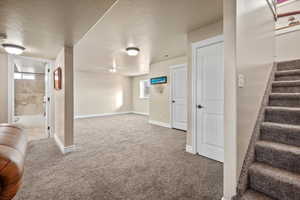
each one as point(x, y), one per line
point(13, 48)
point(132, 51)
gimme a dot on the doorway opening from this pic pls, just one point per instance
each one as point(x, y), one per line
point(29, 102)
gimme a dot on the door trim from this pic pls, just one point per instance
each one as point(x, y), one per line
point(203, 43)
point(11, 92)
point(172, 67)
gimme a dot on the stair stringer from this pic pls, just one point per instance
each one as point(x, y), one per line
point(243, 182)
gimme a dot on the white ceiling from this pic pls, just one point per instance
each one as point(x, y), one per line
point(157, 27)
point(44, 26)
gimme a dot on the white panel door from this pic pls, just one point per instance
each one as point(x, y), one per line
point(210, 101)
point(178, 97)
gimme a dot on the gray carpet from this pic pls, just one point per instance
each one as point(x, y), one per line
point(275, 174)
point(120, 158)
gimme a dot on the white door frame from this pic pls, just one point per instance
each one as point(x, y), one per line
point(171, 90)
point(11, 86)
point(10, 92)
point(195, 46)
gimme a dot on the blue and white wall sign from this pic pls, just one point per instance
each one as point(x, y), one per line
point(158, 80)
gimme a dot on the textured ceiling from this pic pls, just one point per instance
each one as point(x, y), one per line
point(44, 26)
point(157, 27)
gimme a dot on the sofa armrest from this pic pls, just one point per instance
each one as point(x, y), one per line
point(13, 145)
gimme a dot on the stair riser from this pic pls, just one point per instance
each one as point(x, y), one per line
point(287, 77)
point(290, 65)
point(278, 158)
point(284, 136)
point(251, 195)
point(284, 102)
point(286, 89)
point(275, 188)
point(283, 117)
point(287, 67)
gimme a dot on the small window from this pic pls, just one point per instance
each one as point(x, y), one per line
point(28, 76)
point(144, 89)
point(17, 76)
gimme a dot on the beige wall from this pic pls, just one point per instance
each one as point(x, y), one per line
point(255, 43)
point(101, 92)
point(287, 46)
point(140, 105)
point(290, 7)
point(63, 99)
point(159, 104)
point(3, 88)
point(202, 33)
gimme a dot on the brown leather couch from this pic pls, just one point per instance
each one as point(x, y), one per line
point(12, 153)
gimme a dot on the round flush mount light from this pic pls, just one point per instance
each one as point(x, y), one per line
point(132, 51)
point(13, 49)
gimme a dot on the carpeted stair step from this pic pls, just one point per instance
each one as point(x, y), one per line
point(274, 182)
point(278, 155)
point(283, 115)
point(253, 195)
point(281, 133)
point(285, 99)
point(286, 86)
point(287, 75)
point(288, 65)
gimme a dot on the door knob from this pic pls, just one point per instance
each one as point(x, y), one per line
point(173, 101)
point(199, 106)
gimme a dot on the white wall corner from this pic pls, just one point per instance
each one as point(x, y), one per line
point(61, 147)
point(189, 149)
point(163, 124)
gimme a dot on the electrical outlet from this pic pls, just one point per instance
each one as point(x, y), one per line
point(241, 80)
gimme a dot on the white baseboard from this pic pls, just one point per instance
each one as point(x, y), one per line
point(61, 147)
point(101, 115)
point(163, 124)
point(140, 113)
point(227, 198)
point(189, 149)
point(223, 198)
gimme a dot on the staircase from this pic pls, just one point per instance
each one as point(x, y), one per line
point(275, 173)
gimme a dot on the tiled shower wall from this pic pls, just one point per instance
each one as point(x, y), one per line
point(29, 95)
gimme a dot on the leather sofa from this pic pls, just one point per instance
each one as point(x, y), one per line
point(13, 145)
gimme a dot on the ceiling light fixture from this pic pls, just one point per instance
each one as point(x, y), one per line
point(13, 49)
point(132, 51)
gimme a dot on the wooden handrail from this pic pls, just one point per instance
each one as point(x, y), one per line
point(288, 14)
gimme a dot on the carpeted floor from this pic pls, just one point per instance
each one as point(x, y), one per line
point(120, 158)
